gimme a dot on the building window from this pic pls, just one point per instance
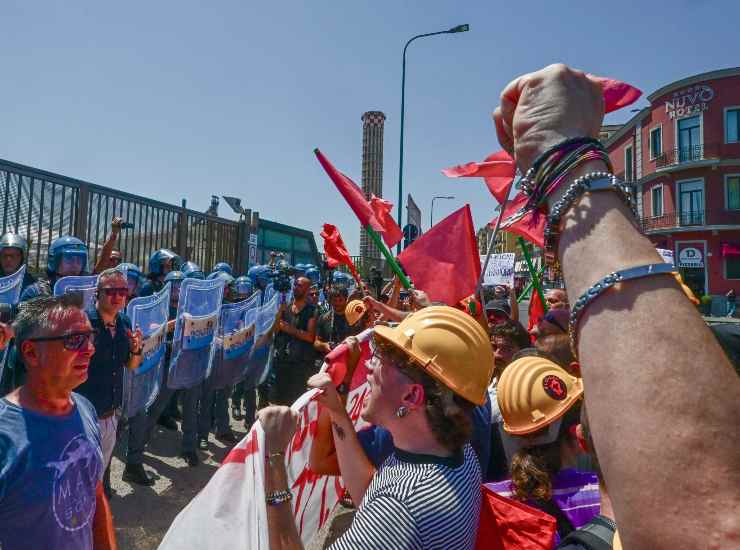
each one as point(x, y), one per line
point(628, 164)
point(689, 140)
point(732, 192)
point(656, 142)
point(656, 195)
point(691, 202)
point(732, 125)
point(732, 267)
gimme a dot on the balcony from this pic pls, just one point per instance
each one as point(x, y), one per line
point(697, 218)
point(687, 155)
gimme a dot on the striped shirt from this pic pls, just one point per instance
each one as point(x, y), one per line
point(419, 502)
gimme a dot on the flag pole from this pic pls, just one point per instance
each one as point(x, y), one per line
point(479, 288)
point(532, 272)
point(388, 257)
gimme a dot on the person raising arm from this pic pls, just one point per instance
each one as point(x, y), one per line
point(663, 400)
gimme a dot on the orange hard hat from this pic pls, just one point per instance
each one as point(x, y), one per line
point(534, 392)
point(449, 345)
point(354, 311)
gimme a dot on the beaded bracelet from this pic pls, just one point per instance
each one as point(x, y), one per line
point(605, 284)
point(593, 181)
point(278, 497)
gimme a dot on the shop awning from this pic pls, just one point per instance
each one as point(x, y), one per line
point(729, 249)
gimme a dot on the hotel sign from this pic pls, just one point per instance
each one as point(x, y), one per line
point(691, 101)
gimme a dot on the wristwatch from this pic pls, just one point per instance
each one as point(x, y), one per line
point(343, 388)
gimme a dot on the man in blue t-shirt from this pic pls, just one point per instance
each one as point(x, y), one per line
point(50, 453)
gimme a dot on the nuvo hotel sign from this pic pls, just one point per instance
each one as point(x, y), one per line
point(691, 101)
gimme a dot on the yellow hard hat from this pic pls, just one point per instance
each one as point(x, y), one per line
point(354, 311)
point(534, 392)
point(449, 345)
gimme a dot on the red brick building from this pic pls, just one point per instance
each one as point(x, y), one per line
point(682, 156)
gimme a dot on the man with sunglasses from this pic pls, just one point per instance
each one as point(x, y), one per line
point(116, 347)
point(51, 457)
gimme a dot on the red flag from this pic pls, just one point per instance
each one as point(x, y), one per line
point(392, 234)
point(506, 524)
point(336, 251)
point(536, 310)
point(617, 94)
point(531, 227)
point(351, 193)
point(444, 262)
point(497, 170)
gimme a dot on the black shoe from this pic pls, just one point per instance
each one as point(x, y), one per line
point(134, 473)
point(191, 458)
point(227, 437)
point(236, 413)
point(203, 444)
point(167, 422)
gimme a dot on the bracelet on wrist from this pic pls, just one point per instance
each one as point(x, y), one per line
point(591, 182)
point(604, 284)
point(278, 497)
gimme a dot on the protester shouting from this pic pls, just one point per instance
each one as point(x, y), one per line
point(425, 376)
point(117, 347)
point(641, 377)
point(51, 458)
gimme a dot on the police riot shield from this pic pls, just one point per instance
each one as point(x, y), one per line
point(141, 386)
point(234, 342)
point(198, 312)
point(11, 286)
point(260, 358)
point(10, 294)
point(268, 293)
point(85, 284)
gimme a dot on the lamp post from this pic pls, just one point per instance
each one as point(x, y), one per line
point(431, 210)
point(453, 30)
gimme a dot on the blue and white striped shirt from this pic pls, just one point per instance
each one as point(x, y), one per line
point(419, 502)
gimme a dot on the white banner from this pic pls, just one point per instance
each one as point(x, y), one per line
point(500, 270)
point(667, 256)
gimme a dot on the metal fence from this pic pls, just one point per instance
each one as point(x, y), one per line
point(41, 206)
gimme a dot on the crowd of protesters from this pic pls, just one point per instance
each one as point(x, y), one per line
point(614, 396)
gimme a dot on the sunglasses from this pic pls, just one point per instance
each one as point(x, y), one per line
point(72, 342)
point(121, 292)
point(550, 318)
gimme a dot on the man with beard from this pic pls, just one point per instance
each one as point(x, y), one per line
point(294, 351)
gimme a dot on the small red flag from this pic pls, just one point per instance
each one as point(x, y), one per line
point(335, 250)
point(392, 234)
point(351, 193)
point(536, 310)
point(531, 227)
point(497, 170)
point(444, 262)
point(507, 524)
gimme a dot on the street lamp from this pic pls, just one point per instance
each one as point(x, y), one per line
point(453, 30)
point(431, 210)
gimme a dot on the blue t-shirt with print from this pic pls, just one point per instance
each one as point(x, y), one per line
point(49, 468)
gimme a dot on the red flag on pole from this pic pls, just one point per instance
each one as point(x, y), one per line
point(444, 262)
point(335, 250)
point(497, 170)
point(536, 309)
point(392, 234)
point(351, 193)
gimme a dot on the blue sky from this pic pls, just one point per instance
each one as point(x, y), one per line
point(186, 99)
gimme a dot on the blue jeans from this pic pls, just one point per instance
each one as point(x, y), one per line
point(731, 309)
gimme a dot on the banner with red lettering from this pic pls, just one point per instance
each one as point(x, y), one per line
point(230, 512)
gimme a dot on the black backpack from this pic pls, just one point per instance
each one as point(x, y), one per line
point(597, 534)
